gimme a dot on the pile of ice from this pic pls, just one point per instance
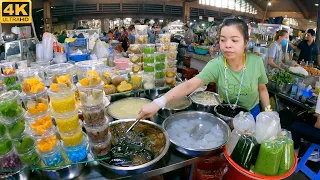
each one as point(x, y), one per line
point(207, 137)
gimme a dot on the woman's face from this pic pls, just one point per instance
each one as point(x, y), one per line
point(232, 42)
point(284, 37)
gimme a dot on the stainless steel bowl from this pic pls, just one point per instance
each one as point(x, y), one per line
point(154, 93)
point(203, 107)
point(66, 172)
point(166, 112)
point(134, 170)
point(112, 104)
point(226, 118)
point(191, 115)
point(284, 88)
point(19, 175)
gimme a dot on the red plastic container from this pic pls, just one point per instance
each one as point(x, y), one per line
point(237, 172)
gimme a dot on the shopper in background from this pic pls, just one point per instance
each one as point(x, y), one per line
point(309, 50)
point(116, 33)
point(110, 34)
point(276, 57)
point(240, 76)
point(188, 35)
point(132, 33)
point(62, 37)
point(124, 39)
point(152, 35)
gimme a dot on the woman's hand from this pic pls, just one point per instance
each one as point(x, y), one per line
point(148, 110)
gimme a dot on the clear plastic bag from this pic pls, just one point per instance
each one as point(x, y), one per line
point(101, 49)
point(269, 157)
point(245, 152)
point(233, 140)
point(287, 159)
point(267, 125)
point(244, 122)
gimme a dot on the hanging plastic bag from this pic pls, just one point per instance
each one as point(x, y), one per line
point(269, 157)
point(287, 159)
point(246, 150)
point(243, 123)
point(267, 125)
point(101, 49)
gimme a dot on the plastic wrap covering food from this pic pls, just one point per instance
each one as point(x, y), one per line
point(267, 125)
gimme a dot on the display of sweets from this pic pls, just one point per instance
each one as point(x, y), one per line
point(77, 153)
point(9, 160)
point(136, 58)
point(30, 81)
point(101, 148)
point(35, 103)
point(71, 138)
point(62, 100)
point(170, 76)
point(149, 48)
point(148, 80)
point(52, 157)
point(60, 74)
point(67, 122)
point(98, 132)
point(16, 128)
point(141, 39)
point(165, 38)
point(136, 80)
point(90, 96)
point(9, 107)
point(89, 72)
point(39, 124)
point(93, 115)
point(25, 148)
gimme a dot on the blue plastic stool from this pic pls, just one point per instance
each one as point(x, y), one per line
point(302, 163)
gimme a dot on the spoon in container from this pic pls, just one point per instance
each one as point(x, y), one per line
point(218, 100)
point(137, 120)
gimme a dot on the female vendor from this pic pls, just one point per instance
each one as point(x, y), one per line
point(276, 57)
point(240, 76)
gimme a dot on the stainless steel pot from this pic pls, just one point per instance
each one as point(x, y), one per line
point(166, 112)
point(19, 175)
point(223, 117)
point(134, 170)
point(192, 115)
point(203, 107)
point(66, 172)
point(154, 93)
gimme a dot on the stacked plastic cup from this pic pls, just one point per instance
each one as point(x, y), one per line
point(10, 76)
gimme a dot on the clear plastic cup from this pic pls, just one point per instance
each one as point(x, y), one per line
point(71, 138)
point(8, 68)
point(172, 64)
point(39, 124)
point(159, 75)
point(67, 122)
point(136, 80)
point(162, 47)
point(47, 141)
point(99, 133)
point(23, 144)
point(89, 68)
point(62, 102)
point(10, 161)
point(17, 127)
point(148, 80)
point(30, 158)
point(9, 107)
point(148, 48)
point(35, 103)
point(148, 67)
point(165, 38)
point(15, 86)
point(102, 148)
point(173, 46)
point(77, 153)
point(136, 48)
point(172, 55)
point(91, 96)
point(135, 68)
point(141, 39)
point(52, 157)
point(28, 73)
point(64, 72)
point(160, 82)
point(148, 58)
point(5, 146)
point(94, 115)
point(160, 57)
point(10, 80)
point(160, 66)
point(141, 29)
point(136, 58)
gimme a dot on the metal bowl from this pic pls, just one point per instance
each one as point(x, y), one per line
point(203, 107)
point(166, 112)
point(226, 118)
point(191, 115)
point(18, 175)
point(134, 170)
point(154, 93)
point(65, 172)
point(112, 104)
point(284, 88)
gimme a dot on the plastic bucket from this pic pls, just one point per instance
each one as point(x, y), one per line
point(237, 172)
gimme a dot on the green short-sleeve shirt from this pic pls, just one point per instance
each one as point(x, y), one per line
point(254, 75)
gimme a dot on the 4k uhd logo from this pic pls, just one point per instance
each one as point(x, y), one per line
point(15, 11)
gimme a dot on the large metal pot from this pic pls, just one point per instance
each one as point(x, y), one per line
point(65, 172)
point(226, 118)
point(284, 88)
point(166, 112)
point(192, 115)
point(203, 107)
point(134, 170)
point(154, 93)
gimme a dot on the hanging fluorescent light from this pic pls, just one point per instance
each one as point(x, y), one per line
point(269, 3)
point(194, 20)
point(316, 4)
point(161, 20)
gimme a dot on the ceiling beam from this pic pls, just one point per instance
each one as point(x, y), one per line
point(302, 8)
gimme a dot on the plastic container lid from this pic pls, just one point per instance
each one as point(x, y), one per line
point(60, 69)
point(65, 115)
point(104, 147)
point(84, 142)
point(29, 72)
point(63, 93)
point(9, 96)
point(26, 97)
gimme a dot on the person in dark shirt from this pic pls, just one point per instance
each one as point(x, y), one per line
point(309, 50)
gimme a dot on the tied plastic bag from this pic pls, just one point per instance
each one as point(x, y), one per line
point(267, 125)
point(299, 70)
point(287, 159)
point(246, 150)
point(101, 49)
point(269, 157)
point(243, 123)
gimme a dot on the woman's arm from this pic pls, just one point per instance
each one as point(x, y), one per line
point(181, 90)
point(272, 64)
point(264, 95)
